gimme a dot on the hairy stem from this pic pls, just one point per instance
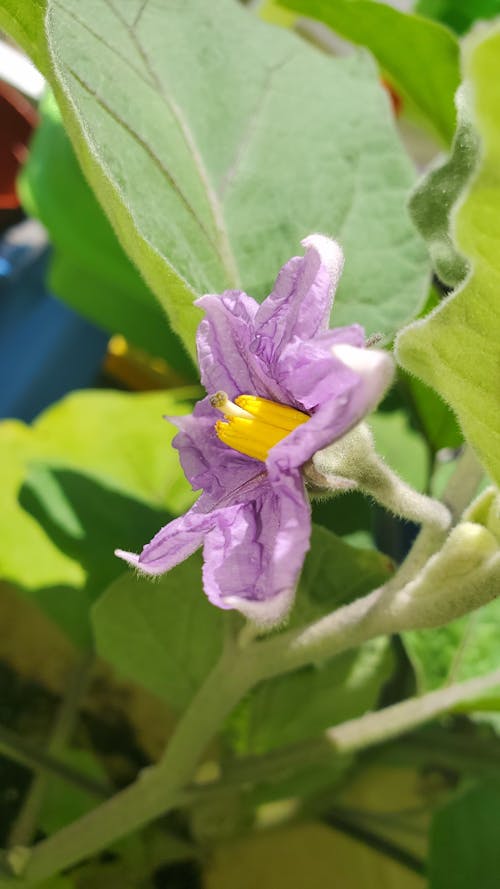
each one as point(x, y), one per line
point(159, 788)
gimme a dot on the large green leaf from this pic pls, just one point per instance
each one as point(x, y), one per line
point(420, 56)
point(89, 268)
point(301, 704)
point(86, 519)
point(119, 437)
point(464, 847)
point(206, 193)
point(165, 635)
point(455, 349)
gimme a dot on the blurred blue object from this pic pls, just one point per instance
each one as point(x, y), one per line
point(46, 349)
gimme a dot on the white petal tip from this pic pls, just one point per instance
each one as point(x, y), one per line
point(365, 362)
point(330, 253)
point(131, 558)
point(266, 614)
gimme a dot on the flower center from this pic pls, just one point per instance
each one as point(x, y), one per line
point(253, 425)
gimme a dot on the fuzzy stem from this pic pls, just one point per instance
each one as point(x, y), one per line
point(383, 725)
point(159, 788)
point(378, 480)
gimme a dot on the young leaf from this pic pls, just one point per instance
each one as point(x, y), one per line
point(455, 348)
point(420, 56)
point(436, 195)
point(215, 142)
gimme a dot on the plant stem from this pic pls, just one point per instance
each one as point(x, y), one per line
point(162, 787)
point(388, 489)
point(159, 788)
point(375, 728)
point(16, 748)
point(26, 823)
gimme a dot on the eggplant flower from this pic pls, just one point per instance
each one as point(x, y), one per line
point(281, 386)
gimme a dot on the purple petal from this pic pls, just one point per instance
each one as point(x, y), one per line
point(175, 542)
point(338, 393)
point(253, 559)
point(223, 342)
point(207, 462)
point(301, 301)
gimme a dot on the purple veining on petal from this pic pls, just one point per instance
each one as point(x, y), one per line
point(253, 558)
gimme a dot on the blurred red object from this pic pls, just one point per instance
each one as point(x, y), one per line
point(18, 118)
point(396, 99)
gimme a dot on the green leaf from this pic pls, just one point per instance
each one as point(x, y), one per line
point(164, 634)
point(90, 270)
point(458, 14)
point(86, 519)
point(301, 704)
point(401, 446)
point(119, 437)
point(433, 416)
point(421, 57)
point(207, 194)
point(455, 349)
point(436, 195)
point(464, 848)
point(463, 649)
point(321, 590)
point(292, 708)
point(24, 21)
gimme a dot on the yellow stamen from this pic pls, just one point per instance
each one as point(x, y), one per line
point(254, 425)
point(281, 415)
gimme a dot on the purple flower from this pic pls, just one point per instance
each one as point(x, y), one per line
point(280, 386)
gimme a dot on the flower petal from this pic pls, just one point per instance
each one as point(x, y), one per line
point(252, 559)
point(223, 342)
point(207, 462)
point(336, 394)
point(175, 542)
point(301, 301)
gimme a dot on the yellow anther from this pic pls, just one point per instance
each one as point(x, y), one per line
point(254, 425)
point(281, 415)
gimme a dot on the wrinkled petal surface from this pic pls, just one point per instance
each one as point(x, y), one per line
point(253, 557)
point(253, 519)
